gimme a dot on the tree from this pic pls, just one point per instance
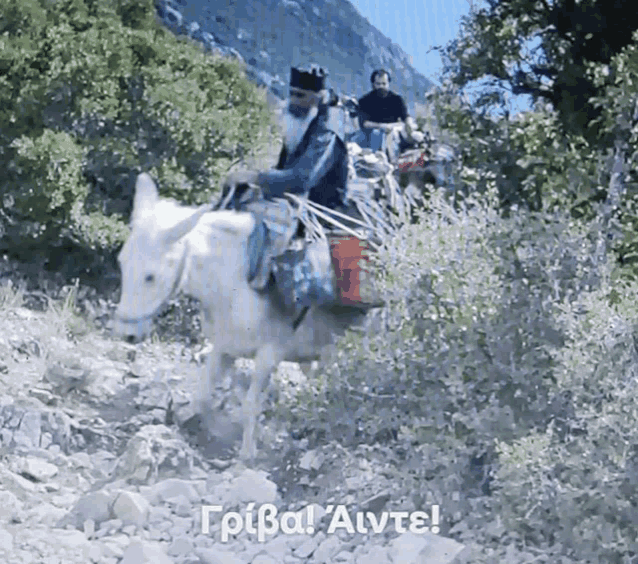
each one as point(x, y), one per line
point(543, 49)
point(93, 92)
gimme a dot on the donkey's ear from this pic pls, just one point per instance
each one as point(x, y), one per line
point(176, 232)
point(146, 196)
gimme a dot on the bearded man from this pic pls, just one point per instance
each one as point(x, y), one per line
point(313, 162)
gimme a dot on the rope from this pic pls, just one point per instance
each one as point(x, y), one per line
point(223, 203)
point(318, 211)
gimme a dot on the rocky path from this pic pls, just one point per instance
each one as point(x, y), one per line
point(100, 462)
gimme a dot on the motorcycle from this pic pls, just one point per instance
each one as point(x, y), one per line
point(430, 162)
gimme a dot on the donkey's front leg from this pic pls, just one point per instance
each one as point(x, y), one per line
point(211, 380)
point(266, 360)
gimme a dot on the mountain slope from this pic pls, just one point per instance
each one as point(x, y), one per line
point(272, 35)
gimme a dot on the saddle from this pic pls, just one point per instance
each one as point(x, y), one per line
point(302, 271)
point(274, 233)
point(324, 271)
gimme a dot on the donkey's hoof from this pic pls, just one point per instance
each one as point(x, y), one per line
point(247, 453)
point(210, 406)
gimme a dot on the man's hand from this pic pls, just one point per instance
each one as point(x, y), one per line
point(392, 127)
point(241, 177)
point(238, 182)
point(410, 125)
point(417, 136)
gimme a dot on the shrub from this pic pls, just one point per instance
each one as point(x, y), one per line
point(465, 360)
point(580, 492)
point(95, 92)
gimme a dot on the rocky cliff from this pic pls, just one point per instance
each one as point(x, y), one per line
point(271, 35)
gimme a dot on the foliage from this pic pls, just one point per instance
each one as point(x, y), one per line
point(619, 102)
point(502, 374)
point(582, 492)
point(541, 49)
point(95, 92)
point(501, 367)
point(531, 161)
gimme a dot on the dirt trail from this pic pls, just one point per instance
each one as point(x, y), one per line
point(101, 460)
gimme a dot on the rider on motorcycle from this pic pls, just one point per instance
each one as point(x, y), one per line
point(384, 120)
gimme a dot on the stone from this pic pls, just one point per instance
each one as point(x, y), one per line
point(158, 514)
point(94, 553)
point(181, 546)
point(311, 460)
point(45, 513)
point(181, 506)
point(217, 556)
point(95, 506)
point(129, 530)
point(280, 546)
point(16, 483)
point(37, 469)
point(131, 508)
point(425, 548)
point(154, 452)
point(376, 554)
point(167, 490)
point(265, 559)
point(11, 508)
point(103, 463)
point(145, 552)
point(306, 549)
point(80, 460)
point(66, 499)
point(376, 503)
point(29, 430)
point(326, 550)
point(71, 540)
point(181, 526)
point(6, 541)
point(58, 425)
point(114, 545)
point(112, 525)
point(89, 528)
point(249, 486)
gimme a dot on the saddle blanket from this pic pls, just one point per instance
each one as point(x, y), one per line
point(302, 270)
point(305, 277)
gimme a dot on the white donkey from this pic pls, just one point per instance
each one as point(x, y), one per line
point(203, 253)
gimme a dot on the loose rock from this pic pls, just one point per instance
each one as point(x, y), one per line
point(145, 552)
point(131, 508)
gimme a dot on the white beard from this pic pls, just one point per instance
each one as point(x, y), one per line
point(295, 128)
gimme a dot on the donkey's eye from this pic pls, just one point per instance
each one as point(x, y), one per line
point(150, 278)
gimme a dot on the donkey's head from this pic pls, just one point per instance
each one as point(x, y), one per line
point(152, 261)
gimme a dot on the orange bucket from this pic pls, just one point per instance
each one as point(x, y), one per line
point(347, 254)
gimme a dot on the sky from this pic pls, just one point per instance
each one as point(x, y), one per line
point(417, 26)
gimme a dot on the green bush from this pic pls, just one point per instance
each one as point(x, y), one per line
point(472, 313)
point(619, 101)
point(466, 361)
point(95, 92)
point(532, 161)
point(582, 492)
